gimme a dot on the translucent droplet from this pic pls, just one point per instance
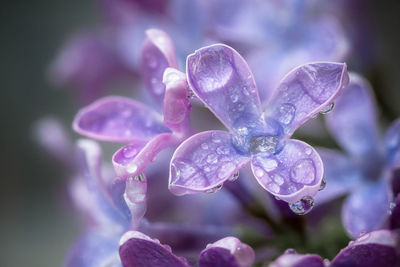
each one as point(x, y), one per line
point(129, 152)
point(362, 236)
point(215, 189)
point(204, 146)
point(308, 151)
point(140, 177)
point(286, 113)
point(182, 170)
point(303, 172)
point(268, 164)
point(242, 131)
point(328, 108)
point(273, 187)
point(131, 167)
point(234, 98)
point(278, 179)
point(303, 206)
point(234, 177)
point(322, 185)
point(190, 94)
point(215, 138)
point(222, 150)
point(290, 251)
point(212, 158)
point(392, 205)
point(206, 169)
point(245, 91)
point(263, 144)
point(259, 172)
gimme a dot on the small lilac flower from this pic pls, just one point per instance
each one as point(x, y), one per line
point(120, 119)
point(378, 248)
point(367, 169)
point(289, 169)
point(139, 250)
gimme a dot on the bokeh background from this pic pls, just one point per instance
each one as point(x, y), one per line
point(37, 224)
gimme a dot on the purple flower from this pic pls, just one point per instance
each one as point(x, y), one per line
point(378, 248)
point(365, 171)
point(289, 169)
point(139, 250)
point(120, 119)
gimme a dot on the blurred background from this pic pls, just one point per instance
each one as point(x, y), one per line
point(37, 224)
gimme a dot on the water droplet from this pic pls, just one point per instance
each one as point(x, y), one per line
point(190, 94)
point(290, 251)
point(286, 113)
point(303, 171)
point(392, 205)
point(303, 206)
point(263, 144)
point(234, 98)
point(206, 169)
point(278, 179)
point(215, 138)
point(212, 158)
point(222, 150)
point(328, 108)
point(308, 151)
point(140, 177)
point(204, 146)
point(242, 131)
point(182, 170)
point(362, 236)
point(129, 152)
point(259, 172)
point(245, 91)
point(323, 184)
point(268, 164)
point(273, 187)
point(214, 189)
point(131, 167)
point(234, 177)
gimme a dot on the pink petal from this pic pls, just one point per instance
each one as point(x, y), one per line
point(158, 53)
point(118, 119)
point(221, 78)
point(304, 92)
point(203, 162)
point(293, 173)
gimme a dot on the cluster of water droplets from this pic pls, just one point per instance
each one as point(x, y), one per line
point(392, 205)
point(303, 206)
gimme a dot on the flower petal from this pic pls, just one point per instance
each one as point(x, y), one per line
point(227, 252)
point(158, 53)
point(353, 120)
point(118, 119)
point(298, 260)
point(139, 250)
point(304, 92)
point(340, 173)
point(220, 77)
point(377, 248)
point(291, 174)
point(203, 162)
point(367, 208)
point(132, 159)
point(95, 249)
point(177, 106)
point(392, 142)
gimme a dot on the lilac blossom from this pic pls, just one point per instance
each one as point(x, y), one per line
point(377, 248)
point(289, 169)
point(365, 172)
point(120, 119)
point(139, 250)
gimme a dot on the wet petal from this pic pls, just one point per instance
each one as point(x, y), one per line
point(227, 252)
point(293, 173)
point(176, 101)
point(392, 142)
point(367, 208)
point(377, 248)
point(158, 53)
point(95, 249)
point(203, 162)
point(118, 119)
point(220, 77)
point(353, 120)
point(304, 92)
point(139, 250)
point(132, 159)
point(135, 198)
point(292, 259)
point(340, 173)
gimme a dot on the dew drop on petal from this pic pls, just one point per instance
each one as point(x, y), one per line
point(308, 151)
point(278, 179)
point(259, 172)
point(214, 189)
point(328, 108)
point(303, 172)
point(286, 113)
point(303, 206)
point(323, 184)
point(290, 251)
point(222, 150)
point(204, 146)
point(263, 144)
point(268, 164)
point(234, 98)
point(273, 187)
point(131, 167)
point(212, 159)
point(234, 177)
point(392, 205)
point(129, 152)
point(362, 236)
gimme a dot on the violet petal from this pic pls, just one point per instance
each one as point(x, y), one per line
point(291, 174)
point(176, 109)
point(340, 174)
point(221, 78)
point(367, 208)
point(203, 162)
point(118, 119)
point(372, 249)
point(392, 142)
point(139, 250)
point(298, 260)
point(158, 53)
point(227, 252)
point(133, 159)
point(135, 198)
point(353, 120)
point(304, 92)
